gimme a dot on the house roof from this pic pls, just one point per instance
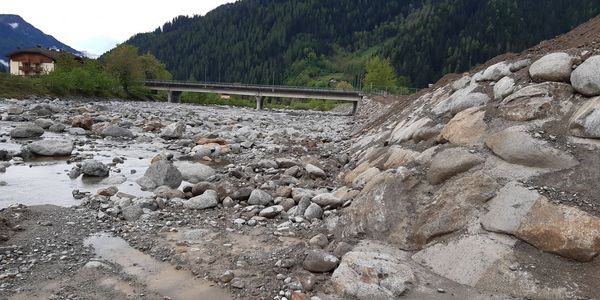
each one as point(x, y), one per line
point(52, 54)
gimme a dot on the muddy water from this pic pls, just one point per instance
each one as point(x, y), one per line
point(159, 277)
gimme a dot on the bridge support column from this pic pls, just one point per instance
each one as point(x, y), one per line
point(174, 96)
point(260, 102)
point(354, 107)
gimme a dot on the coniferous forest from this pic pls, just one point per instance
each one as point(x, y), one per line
point(310, 42)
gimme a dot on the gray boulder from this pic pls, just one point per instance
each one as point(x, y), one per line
point(161, 172)
point(585, 122)
point(204, 201)
point(552, 67)
point(586, 78)
point(260, 197)
point(313, 211)
point(327, 199)
point(173, 131)
point(451, 162)
point(495, 72)
point(58, 128)
point(132, 212)
point(194, 172)
point(51, 148)
point(461, 100)
point(116, 132)
point(44, 123)
point(318, 261)
point(94, 168)
point(271, 212)
point(516, 146)
point(27, 131)
point(315, 171)
point(503, 88)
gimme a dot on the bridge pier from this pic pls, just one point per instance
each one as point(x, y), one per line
point(260, 102)
point(354, 107)
point(174, 96)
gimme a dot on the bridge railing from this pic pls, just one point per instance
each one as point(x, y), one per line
point(245, 85)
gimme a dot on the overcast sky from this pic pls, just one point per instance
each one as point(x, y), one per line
point(97, 26)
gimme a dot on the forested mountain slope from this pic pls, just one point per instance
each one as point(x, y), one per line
point(307, 42)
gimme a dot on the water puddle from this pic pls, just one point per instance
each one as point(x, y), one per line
point(159, 277)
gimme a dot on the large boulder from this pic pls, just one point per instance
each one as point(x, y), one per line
point(466, 128)
point(552, 67)
point(495, 72)
point(194, 172)
point(173, 131)
point(461, 100)
point(451, 162)
point(397, 157)
point(585, 122)
point(315, 171)
point(319, 261)
point(82, 121)
point(116, 132)
point(94, 168)
point(373, 272)
point(260, 197)
point(328, 199)
point(534, 101)
point(504, 87)
point(51, 148)
point(161, 172)
point(207, 200)
point(516, 146)
point(586, 78)
point(508, 209)
point(44, 123)
point(27, 131)
point(411, 129)
point(563, 230)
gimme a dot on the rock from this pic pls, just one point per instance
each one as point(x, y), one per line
point(341, 249)
point(503, 88)
point(27, 131)
point(466, 128)
point(271, 212)
point(315, 171)
point(116, 132)
point(364, 177)
point(373, 273)
point(586, 78)
point(267, 164)
point(552, 67)
point(204, 201)
point(318, 261)
point(398, 157)
point(461, 83)
point(534, 101)
point(461, 100)
point(194, 172)
point(467, 259)
point(228, 202)
point(516, 146)
point(51, 148)
point(507, 210)
point(82, 121)
point(520, 64)
point(201, 187)
point(284, 163)
point(173, 131)
point(77, 131)
point(410, 129)
point(44, 123)
point(313, 211)
point(132, 212)
point(585, 122)
point(566, 231)
point(168, 193)
point(15, 110)
point(320, 241)
point(227, 276)
point(161, 172)
point(58, 128)
point(495, 72)
point(94, 168)
point(260, 197)
point(108, 192)
point(451, 162)
point(328, 199)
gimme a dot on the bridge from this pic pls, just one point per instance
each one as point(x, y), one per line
point(175, 88)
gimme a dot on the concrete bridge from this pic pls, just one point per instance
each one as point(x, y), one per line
point(175, 88)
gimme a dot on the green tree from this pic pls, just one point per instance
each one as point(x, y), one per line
point(380, 74)
point(343, 85)
point(123, 62)
point(153, 69)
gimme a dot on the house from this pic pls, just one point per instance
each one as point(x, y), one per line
point(35, 61)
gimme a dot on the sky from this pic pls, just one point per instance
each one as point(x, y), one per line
point(97, 26)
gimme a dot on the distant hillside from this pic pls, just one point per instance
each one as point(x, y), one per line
point(17, 33)
point(310, 41)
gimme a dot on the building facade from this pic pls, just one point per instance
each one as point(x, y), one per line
point(34, 61)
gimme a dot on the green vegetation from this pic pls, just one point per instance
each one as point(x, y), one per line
point(120, 76)
point(311, 42)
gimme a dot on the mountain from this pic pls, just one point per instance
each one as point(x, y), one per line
point(17, 33)
point(310, 41)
